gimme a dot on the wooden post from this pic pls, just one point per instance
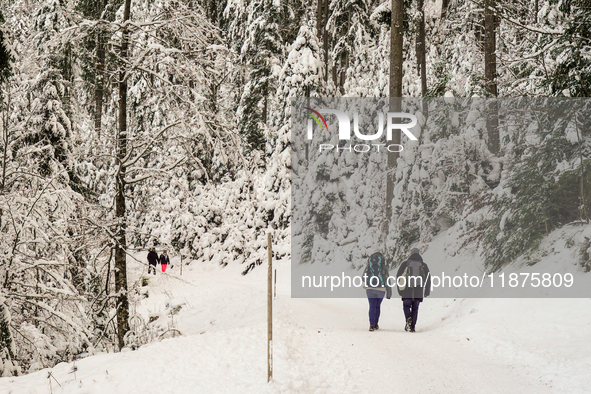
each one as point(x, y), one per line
point(181, 264)
point(269, 310)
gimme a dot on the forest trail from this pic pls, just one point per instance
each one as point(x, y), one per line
point(321, 346)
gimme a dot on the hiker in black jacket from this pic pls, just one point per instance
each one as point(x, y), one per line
point(415, 285)
point(152, 261)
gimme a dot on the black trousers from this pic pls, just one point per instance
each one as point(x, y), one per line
point(411, 309)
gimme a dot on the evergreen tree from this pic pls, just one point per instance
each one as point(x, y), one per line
point(50, 122)
point(5, 56)
point(302, 74)
point(51, 23)
point(573, 64)
point(440, 176)
point(549, 181)
point(259, 53)
point(235, 21)
point(94, 59)
point(49, 127)
point(7, 367)
point(349, 26)
point(368, 74)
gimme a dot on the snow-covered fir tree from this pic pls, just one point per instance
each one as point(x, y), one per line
point(260, 50)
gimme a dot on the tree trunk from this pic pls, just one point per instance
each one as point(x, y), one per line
point(490, 57)
point(265, 104)
point(5, 106)
point(583, 205)
point(421, 48)
point(321, 21)
point(99, 87)
point(335, 75)
point(490, 75)
point(37, 291)
point(213, 12)
point(325, 40)
point(396, 37)
point(319, 12)
point(345, 64)
point(68, 77)
point(444, 5)
point(120, 249)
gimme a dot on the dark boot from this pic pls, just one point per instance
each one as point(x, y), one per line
point(408, 325)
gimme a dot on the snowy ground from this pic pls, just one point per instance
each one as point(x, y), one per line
point(323, 345)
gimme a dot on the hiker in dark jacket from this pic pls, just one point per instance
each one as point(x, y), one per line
point(375, 279)
point(164, 260)
point(152, 261)
point(415, 285)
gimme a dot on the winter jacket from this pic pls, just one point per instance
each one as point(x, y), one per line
point(164, 259)
point(152, 257)
point(417, 292)
point(382, 276)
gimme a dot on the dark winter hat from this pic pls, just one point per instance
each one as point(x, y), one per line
point(375, 258)
point(414, 251)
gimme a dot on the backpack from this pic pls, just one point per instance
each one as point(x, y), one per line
point(413, 269)
point(375, 267)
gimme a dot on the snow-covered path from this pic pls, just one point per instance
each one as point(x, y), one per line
point(421, 363)
point(323, 346)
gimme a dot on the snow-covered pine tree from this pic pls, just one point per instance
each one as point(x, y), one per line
point(260, 52)
point(6, 343)
point(5, 55)
point(302, 75)
point(49, 128)
point(368, 73)
point(548, 181)
point(234, 19)
point(49, 124)
point(450, 169)
point(40, 239)
point(50, 121)
point(461, 54)
point(93, 51)
point(350, 30)
point(572, 71)
point(7, 367)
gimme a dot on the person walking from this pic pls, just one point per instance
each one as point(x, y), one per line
point(375, 279)
point(152, 261)
point(164, 260)
point(415, 285)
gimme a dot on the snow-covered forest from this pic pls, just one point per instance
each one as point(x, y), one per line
point(132, 124)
